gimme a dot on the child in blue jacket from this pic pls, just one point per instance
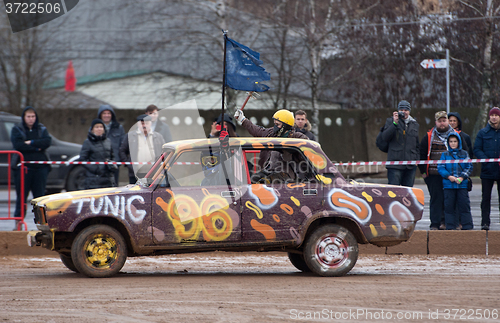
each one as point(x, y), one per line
point(455, 178)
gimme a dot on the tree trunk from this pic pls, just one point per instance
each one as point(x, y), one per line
point(486, 87)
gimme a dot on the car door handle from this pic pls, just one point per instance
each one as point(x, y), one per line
point(228, 194)
point(310, 192)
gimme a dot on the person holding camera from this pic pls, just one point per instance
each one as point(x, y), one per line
point(401, 133)
point(97, 148)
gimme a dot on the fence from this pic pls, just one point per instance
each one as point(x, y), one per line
point(22, 171)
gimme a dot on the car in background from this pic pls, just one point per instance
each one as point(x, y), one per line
point(61, 177)
point(199, 197)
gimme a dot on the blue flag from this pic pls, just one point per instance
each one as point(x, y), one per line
point(243, 68)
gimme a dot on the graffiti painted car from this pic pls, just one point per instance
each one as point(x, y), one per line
point(259, 194)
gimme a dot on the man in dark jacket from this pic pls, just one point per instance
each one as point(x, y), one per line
point(433, 144)
point(32, 139)
point(401, 132)
point(114, 131)
point(141, 144)
point(487, 145)
point(303, 125)
point(456, 123)
point(157, 125)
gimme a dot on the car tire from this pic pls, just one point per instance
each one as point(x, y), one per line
point(298, 262)
point(68, 262)
point(99, 251)
point(76, 179)
point(331, 250)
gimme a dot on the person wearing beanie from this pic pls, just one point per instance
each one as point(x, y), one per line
point(401, 133)
point(433, 144)
point(97, 148)
point(487, 145)
point(32, 139)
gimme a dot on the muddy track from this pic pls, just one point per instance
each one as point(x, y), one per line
point(252, 287)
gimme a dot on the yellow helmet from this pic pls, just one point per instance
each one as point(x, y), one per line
point(285, 116)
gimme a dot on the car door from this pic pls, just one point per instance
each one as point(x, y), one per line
point(190, 209)
point(274, 209)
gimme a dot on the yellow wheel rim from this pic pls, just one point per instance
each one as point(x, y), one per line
point(101, 252)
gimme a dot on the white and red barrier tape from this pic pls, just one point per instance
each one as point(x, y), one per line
point(100, 163)
point(419, 162)
point(373, 163)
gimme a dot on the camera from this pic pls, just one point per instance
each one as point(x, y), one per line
point(401, 115)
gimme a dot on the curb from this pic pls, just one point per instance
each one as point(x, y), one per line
point(479, 243)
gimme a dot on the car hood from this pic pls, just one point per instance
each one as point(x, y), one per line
point(54, 201)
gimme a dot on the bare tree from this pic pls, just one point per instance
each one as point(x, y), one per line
point(25, 66)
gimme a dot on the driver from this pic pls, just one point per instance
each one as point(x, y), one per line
point(211, 165)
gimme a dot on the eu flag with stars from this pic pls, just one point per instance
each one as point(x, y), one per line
point(243, 68)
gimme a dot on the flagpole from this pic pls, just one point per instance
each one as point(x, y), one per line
point(224, 78)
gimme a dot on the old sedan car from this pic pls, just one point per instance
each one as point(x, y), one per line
point(197, 197)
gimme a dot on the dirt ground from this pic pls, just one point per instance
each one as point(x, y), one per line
point(252, 287)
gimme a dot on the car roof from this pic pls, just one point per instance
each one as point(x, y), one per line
point(310, 148)
point(247, 142)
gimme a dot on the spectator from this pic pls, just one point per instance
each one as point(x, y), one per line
point(303, 125)
point(273, 160)
point(32, 139)
point(487, 145)
point(456, 123)
point(401, 134)
point(97, 148)
point(455, 177)
point(114, 131)
point(157, 125)
point(228, 123)
point(433, 144)
point(141, 144)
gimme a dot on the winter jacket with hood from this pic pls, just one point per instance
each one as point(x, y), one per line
point(97, 148)
point(455, 169)
point(465, 136)
point(426, 145)
point(307, 131)
point(40, 141)
point(403, 141)
point(116, 131)
point(487, 145)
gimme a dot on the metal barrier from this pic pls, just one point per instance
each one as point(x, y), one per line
point(22, 169)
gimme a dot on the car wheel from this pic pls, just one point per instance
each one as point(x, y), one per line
point(68, 262)
point(76, 179)
point(331, 250)
point(298, 262)
point(99, 251)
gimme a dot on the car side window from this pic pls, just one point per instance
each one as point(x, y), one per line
point(280, 165)
point(5, 130)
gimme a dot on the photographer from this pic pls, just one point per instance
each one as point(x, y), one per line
point(97, 148)
point(401, 133)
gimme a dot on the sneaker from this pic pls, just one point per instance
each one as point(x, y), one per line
point(459, 227)
point(442, 226)
point(485, 227)
point(433, 228)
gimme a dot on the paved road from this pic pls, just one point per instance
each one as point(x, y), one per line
point(475, 197)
